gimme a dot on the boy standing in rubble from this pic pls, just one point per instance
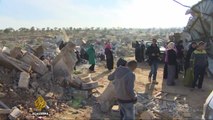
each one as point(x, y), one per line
point(123, 80)
point(199, 62)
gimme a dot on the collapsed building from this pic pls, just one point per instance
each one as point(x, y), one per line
point(200, 27)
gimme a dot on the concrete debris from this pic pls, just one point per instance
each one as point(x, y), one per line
point(163, 107)
point(107, 99)
point(90, 85)
point(15, 114)
point(24, 80)
point(37, 65)
point(147, 115)
point(80, 94)
point(16, 53)
point(9, 62)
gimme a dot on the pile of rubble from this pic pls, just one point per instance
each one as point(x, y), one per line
point(26, 75)
point(163, 105)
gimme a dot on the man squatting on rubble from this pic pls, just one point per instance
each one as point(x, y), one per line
point(123, 81)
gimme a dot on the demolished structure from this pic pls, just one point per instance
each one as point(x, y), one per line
point(200, 27)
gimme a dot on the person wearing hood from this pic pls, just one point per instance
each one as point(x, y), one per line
point(91, 54)
point(171, 64)
point(123, 79)
point(109, 56)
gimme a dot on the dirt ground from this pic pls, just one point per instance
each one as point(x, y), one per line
point(195, 99)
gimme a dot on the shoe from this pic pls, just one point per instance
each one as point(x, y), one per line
point(154, 82)
point(149, 78)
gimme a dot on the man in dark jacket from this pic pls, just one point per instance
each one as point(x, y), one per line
point(153, 53)
point(123, 80)
point(180, 56)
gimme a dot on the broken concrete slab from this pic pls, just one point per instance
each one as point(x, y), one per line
point(89, 86)
point(16, 53)
point(15, 114)
point(63, 64)
point(37, 65)
point(107, 99)
point(11, 63)
point(24, 80)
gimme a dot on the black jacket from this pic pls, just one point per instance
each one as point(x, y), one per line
point(153, 50)
point(172, 56)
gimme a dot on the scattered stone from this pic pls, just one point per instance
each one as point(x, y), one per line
point(49, 95)
point(187, 115)
point(90, 85)
point(24, 80)
point(139, 108)
point(2, 94)
point(30, 117)
point(148, 115)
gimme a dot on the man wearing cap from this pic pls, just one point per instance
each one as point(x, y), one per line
point(199, 62)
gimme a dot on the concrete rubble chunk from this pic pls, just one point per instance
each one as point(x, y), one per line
point(16, 53)
point(37, 65)
point(148, 115)
point(90, 85)
point(24, 80)
point(107, 99)
point(80, 94)
point(63, 64)
point(15, 114)
point(9, 62)
point(139, 108)
point(187, 115)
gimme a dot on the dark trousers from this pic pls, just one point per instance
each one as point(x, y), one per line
point(199, 72)
point(171, 75)
point(92, 67)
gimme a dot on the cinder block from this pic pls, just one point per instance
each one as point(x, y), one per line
point(24, 80)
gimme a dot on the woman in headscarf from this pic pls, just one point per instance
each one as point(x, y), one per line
point(109, 56)
point(91, 54)
point(171, 63)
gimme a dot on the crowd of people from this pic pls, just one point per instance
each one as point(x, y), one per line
point(192, 64)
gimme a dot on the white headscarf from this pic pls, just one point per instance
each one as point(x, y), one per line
point(171, 45)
